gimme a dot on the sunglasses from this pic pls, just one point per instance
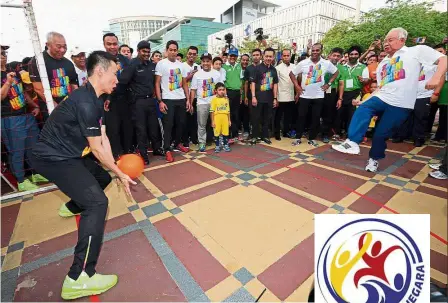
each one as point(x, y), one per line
point(4, 53)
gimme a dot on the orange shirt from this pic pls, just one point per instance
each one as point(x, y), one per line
point(372, 77)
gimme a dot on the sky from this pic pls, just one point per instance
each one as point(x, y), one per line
point(82, 21)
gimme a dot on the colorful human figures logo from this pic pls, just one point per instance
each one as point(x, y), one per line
point(207, 88)
point(267, 82)
point(422, 76)
point(314, 74)
point(381, 264)
point(60, 84)
point(175, 79)
point(392, 71)
point(15, 94)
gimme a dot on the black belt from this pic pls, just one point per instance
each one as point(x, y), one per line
point(144, 97)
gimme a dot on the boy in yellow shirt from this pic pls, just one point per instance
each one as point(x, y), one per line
point(220, 116)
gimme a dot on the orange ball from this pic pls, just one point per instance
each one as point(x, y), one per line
point(132, 165)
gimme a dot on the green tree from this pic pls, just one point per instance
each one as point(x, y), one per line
point(247, 46)
point(201, 49)
point(417, 18)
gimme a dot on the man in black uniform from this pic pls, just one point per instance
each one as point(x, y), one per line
point(140, 75)
point(73, 130)
point(117, 106)
point(256, 59)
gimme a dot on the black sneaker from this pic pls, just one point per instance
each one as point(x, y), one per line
point(397, 140)
point(326, 140)
point(159, 152)
point(266, 140)
point(278, 138)
point(313, 143)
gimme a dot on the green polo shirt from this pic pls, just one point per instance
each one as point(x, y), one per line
point(443, 98)
point(350, 74)
point(328, 76)
point(233, 76)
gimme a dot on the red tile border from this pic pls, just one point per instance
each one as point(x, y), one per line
point(219, 165)
point(343, 167)
point(9, 217)
point(439, 261)
point(409, 169)
point(269, 168)
point(296, 199)
point(203, 192)
point(430, 151)
point(290, 271)
point(140, 193)
point(432, 192)
point(379, 193)
point(204, 268)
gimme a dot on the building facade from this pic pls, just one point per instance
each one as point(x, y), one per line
point(247, 10)
point(131, 30)
point(186, 31)
point(308, 20)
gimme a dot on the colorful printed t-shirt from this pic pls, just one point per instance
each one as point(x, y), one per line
point(264, 78)
point(61, 74)
point(398, 76)
point(313, 77)
point(171, 74)
point(204, 84)
point(65, 133)
point(219, 106)
point(426, 73)
point(188, 70)
point(15, 103)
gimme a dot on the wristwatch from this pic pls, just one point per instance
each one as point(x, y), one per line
point(330, 83)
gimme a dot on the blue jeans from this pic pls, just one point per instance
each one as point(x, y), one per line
point(391, 118)
point(19, 134)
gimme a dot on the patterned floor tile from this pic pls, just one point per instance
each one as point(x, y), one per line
point(140, 193)
point(9, 216)
point(378, 196)
point(430, 151)
point(409, 169)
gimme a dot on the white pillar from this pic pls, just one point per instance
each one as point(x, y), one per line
point(358, 11)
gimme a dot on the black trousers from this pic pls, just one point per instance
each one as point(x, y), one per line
point(345, 113)
point(416, 124)
point(444, 168)
point(305, 105)
point(261, 115)
point(146, 123)
point(82, 180)
point(119, 126)
point(175, 115)
point(235, 99)
point(329, 112)
point(285, 110)
point(245, 117)
point(441, 133)
point(190, 132)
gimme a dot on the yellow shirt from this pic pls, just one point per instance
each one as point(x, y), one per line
point(366, 96)
point(220, 105)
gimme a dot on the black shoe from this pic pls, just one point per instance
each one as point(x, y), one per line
point(266, 140)
point(253, 141)
point(397, 140)
point(419, 143)
point(159, 152)
point(278, 138)
point(326, 140)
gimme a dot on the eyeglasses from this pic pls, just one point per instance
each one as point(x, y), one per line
point(4, 53)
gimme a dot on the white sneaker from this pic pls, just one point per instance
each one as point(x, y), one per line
point(435, 165)
point(372, 166)
point(438, 175)
point(347, 147)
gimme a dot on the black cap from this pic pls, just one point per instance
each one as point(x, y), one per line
point(206, 56)
point(143, 44)
point(5, 47)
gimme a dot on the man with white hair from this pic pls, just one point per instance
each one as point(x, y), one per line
point(61, 72)
point(397, 77)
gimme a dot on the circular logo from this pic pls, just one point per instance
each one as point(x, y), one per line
point(370, 260)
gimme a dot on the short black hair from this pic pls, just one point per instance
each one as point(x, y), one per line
point(374, 55)
point(257, 50)
point(216, 59)
point(225, 54)
point(170, 43)
point(355, 48)
point(180, 55)
point(440, 45)
point(123, 45)
point(193, 48)
point(219, 84)
point(99, 58)
point(269, 49)
point(245, 55)
point(155, 52)
point(320, 44)
point(109, 35)
point(337, 50)
point(287, 50)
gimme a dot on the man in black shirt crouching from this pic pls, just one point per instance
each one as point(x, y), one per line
point(73, 130)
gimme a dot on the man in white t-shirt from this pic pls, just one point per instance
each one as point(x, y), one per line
point(312, 90)
point(286, 104)
point(217, 65)
point(172, 95)
point(202, 88)
point(78, 57)
point(190, 132)
point(397, 77)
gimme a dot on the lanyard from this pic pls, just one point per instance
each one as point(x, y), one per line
point(350, 70)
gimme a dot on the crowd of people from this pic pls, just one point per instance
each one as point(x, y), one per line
point(159, 103)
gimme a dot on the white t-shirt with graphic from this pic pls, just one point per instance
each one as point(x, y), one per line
point(171, 74)
point(204, 83)
point(426, 73)
point(188, 70)
point(398, 76)
point(313, 77)
point(82, 75)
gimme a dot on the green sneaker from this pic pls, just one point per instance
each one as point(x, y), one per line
point(87, 286)
point(27, 185)
point(64, 212)
point(36, 178)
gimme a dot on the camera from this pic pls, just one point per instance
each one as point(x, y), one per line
point(229, 38)
point(259, 33)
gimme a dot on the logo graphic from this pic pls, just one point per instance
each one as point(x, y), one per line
point(267, 82)
point(15, 94)
point(207, 88)
point(392, 71)
point(421, 76)
point(60, 83)
point(314, 74)
point(175, 79)
point(370, 259)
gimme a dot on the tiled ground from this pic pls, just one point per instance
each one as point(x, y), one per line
point(220, 227)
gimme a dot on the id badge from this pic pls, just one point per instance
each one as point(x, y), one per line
point(329, 90)
point(349, 83)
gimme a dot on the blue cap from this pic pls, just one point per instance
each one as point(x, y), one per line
point(233, 51)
